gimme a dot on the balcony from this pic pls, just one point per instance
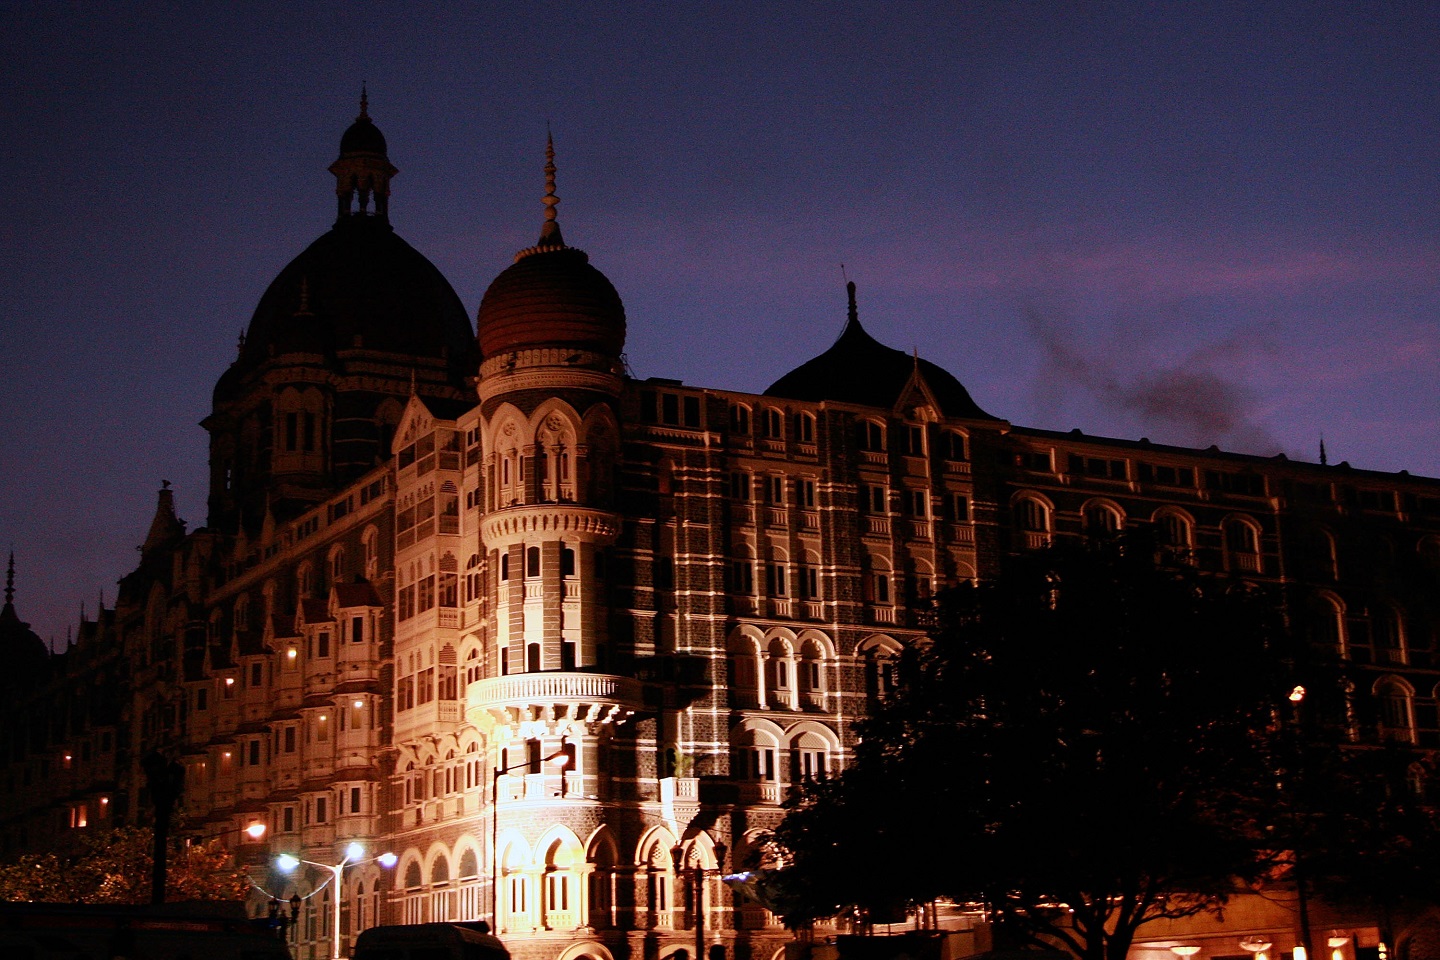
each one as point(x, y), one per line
point(877, 527)
point(592, 697)
point(760, 791)
point(881, 614)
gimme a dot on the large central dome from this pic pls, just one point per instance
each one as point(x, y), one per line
point(550, 296)
point(359, 286)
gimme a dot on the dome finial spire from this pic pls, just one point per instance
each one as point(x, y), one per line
point(550, 230)
point(10, 581)
point(364, 102)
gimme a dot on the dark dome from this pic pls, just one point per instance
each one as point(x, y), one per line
point(551, 296)
point(860, 369)
point(358, 286)
point(363, 137)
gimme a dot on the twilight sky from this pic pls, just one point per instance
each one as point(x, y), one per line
point(1197, 222)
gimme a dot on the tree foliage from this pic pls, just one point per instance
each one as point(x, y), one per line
point(1085, 744)
point(113, 866)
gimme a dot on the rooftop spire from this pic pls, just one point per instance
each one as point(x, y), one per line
point(853, 317)
point(550, 230)
point(10, 581)
point(364, 103)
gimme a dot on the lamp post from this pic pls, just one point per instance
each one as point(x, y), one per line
point(562, 758)
point(354, 857)
point(1305, 950)
point(697, 888)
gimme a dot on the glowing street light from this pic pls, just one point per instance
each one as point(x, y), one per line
point(354, 857)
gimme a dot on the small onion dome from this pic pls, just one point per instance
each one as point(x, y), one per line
point(363, 136)
point(551, 296)
point(860, 369)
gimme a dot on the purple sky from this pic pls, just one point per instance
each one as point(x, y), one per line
point(1193, 222)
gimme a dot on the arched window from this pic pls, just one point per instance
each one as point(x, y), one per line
point(336, 563)
point(773, 423)
point(880, 656)
point(740, 419)
point(811, 675)
point(805, 427)
point(780, 675)
point(810, 757)
point(1327, 626)
point(1242, 545)
point(1173, 532)
point(370, 542)
point(1388, 634)
point(1397, 719)
point(953, 446)
point(871, 436)
point(532, 561)
point(1032, 520)
point(1101, 520)
point(807, 577)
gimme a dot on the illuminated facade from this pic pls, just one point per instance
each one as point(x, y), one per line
point(438, 560)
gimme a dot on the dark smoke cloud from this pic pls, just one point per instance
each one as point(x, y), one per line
point(1193, 403)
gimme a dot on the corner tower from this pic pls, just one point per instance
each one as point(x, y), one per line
point(551, 329)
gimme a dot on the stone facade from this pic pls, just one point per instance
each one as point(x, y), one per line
point(687, 595)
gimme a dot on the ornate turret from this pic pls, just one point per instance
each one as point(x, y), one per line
point(551, 296)
point(165, 528)
point(363, 170)
point(23, 652)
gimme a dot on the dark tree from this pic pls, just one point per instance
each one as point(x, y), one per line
point(1085, 744)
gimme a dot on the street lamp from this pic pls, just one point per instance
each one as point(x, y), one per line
point(697, 888)
point(354, 857)
point(255, 831)
point(561, 758)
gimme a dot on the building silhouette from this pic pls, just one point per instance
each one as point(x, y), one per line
point(438, 561)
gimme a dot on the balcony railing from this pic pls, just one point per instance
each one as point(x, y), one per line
point(600, 696)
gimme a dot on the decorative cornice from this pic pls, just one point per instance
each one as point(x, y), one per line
point(515, 523)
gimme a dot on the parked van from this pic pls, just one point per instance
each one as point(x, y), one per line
point(430, 941)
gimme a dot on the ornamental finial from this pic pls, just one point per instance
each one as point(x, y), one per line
point(550, 230)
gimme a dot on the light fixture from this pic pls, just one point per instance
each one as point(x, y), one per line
point(1185, 950)
point(290, 654)
point(255, 831)
point(1297, 694)
point(359, 704)
point(229, 681)
point(1255, 945)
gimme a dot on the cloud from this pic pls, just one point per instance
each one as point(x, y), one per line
point(1195, 402)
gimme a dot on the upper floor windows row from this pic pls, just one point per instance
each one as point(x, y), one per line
point(771, 423)
point(913, 440)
